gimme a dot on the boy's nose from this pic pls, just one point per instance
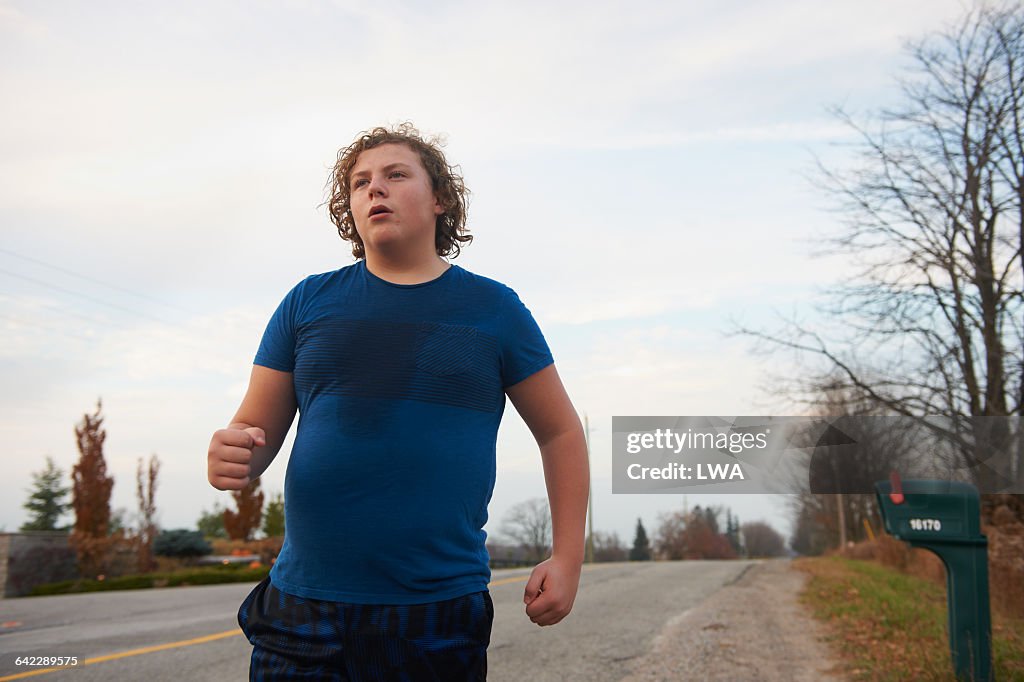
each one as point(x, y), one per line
point(376, 187)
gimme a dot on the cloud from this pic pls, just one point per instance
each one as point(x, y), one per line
point(771, 132)
point(21, 25)
point(632, 163)
point(667, 73)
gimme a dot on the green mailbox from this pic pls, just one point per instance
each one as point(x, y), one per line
point(945, 517)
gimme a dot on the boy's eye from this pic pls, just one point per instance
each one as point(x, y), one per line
point(397, 174)
point(359, 182)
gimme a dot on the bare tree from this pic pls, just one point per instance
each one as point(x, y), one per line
point(932, 323)
point(692, 535)
point(836, 496)
point(811, 534)
point(761, 540)
point(670, 538)
point(145, 492)
point(529, 524)
point(609, 547)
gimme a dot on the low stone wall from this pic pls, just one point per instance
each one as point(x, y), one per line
point(34, 558)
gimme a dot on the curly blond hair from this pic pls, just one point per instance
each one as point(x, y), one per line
point(445, 180)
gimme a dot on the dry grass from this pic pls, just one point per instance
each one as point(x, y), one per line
point(1005, 564)
point(887, 625)
point(1006, 567)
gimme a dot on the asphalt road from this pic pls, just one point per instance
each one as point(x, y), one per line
point(190, 633)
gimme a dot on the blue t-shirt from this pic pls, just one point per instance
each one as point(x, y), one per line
point(400, 391)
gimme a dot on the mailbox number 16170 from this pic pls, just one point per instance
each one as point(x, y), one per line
point(925, 524)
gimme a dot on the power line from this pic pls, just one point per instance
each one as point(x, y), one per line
point(81, 295)
point(46, 328)
point(88, 318)
point(88, 278)
point(187, 342)
point(190, 343)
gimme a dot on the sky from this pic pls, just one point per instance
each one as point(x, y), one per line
point(640, 175)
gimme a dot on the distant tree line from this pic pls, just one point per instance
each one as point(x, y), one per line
point(693, 534)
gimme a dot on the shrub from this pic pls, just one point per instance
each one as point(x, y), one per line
point(198, 576)
point(181, 543)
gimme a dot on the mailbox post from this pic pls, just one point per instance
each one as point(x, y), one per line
point(945, 517)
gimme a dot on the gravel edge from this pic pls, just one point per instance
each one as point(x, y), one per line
point(753, 629)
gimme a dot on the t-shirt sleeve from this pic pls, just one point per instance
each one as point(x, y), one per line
point(277, 348)
point(523, 348)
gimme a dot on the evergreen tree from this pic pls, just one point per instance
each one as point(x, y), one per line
point(732, 532)
point(119, 522)
point(273, 518)
point(46, 501)
point(181, 543)
point(211, 523)
point(641, 545)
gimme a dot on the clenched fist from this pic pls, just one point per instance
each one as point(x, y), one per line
point(551, 590)
point(228, 460)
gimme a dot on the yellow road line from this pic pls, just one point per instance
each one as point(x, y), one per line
point(127, 654)
point(190, 642)
point(505, 581)
point(161, 647)
point(587, 568)
point(30, 673)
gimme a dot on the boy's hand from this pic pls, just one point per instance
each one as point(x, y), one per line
point(227, 462)
point(551, 590)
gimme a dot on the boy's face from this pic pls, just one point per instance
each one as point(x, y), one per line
point(392, 202)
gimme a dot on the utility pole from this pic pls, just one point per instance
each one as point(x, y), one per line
point(590, 493)
point(842, 521)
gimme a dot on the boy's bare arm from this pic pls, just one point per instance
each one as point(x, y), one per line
point(243, 451)
point(543, 404)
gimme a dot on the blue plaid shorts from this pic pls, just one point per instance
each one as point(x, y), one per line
point(295, 638)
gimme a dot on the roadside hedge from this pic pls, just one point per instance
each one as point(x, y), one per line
point(212, 575)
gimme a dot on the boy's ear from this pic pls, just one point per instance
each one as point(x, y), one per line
point(438, 208)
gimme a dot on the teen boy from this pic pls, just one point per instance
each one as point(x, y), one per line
point(399, 366)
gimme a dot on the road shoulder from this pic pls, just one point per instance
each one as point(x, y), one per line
point(753, 629)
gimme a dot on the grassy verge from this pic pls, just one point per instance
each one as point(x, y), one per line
point(891, 626)
point(212, 575)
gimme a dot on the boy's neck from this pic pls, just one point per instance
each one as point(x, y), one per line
point(399, 271)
